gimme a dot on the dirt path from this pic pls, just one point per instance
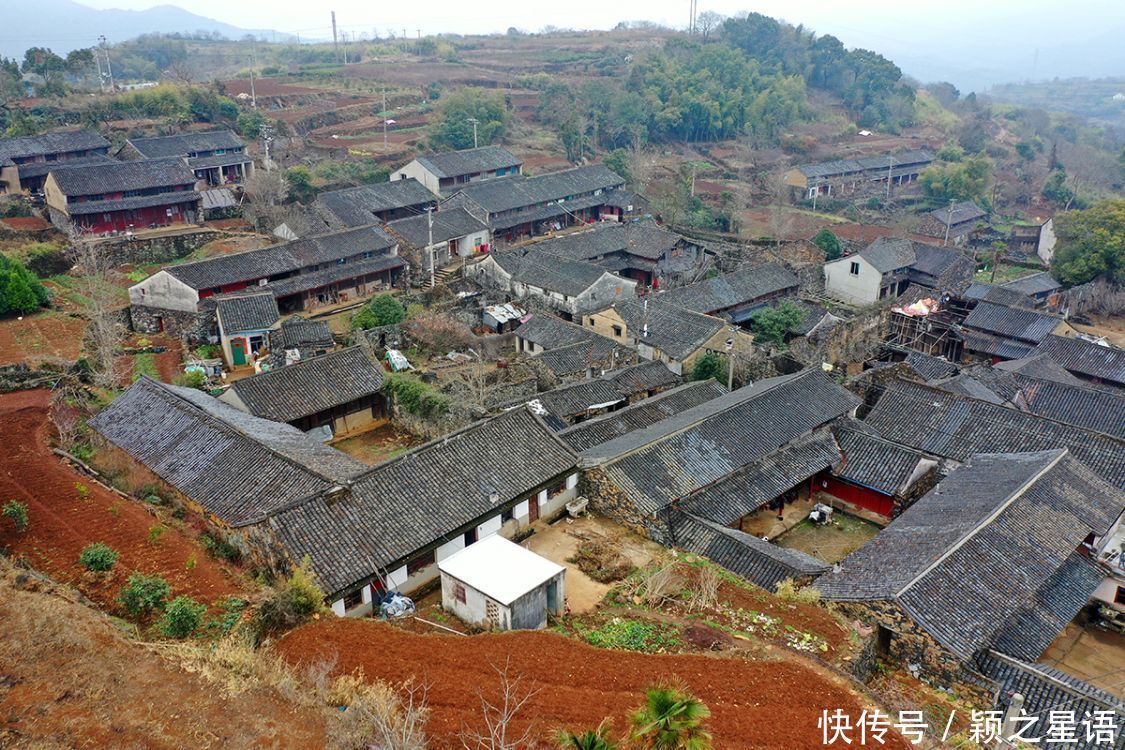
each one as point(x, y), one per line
point(67, 511)
point(754, 704)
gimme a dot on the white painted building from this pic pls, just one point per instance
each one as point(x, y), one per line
point(499, 584)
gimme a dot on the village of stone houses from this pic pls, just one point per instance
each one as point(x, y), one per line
point(718, 387)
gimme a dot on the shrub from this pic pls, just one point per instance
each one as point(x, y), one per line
point(291, 603)
point(155, 532)
point(829, 243)
point(772, 324)
point(192, 379)
point(98, 556)
point(16, 512)
point(20, 289)
point(181, 617)
point(602, 561)
point(414, 396)
point(708, 366)
point(632, 635)
point(381, 310)
point(220, 548)
point(789, 592)
point(439, 332)
point(143, 594)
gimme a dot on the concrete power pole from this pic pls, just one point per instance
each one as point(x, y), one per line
point(335, 42)
point(474, 122)
point(108, 69)
point(430, 245)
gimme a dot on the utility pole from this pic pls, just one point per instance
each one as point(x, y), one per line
point(948, 222)
point(101, 75)
point(344, 34)
point(890, 164)
point(108, 80)
point(474, 121)
point(430, 244)
point(335, 44)
point(384, 117)
point(253, 95)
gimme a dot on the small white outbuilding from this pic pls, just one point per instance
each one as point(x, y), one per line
point(499, 583)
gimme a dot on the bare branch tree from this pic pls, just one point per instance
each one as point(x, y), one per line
point(99, 300)
point(498, 716)
point(708, 22)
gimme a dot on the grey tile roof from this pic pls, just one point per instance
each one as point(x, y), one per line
point(449, 224)
point(1036, 283)
point(641, 377)
point(980, 544)
point(1086, 358)
point(940, 263)
point(959, 213)
point(569, 401)
point(1028, 631)
point(995, 345)
point(219, 160)
point(602, 429)
point(756, 560)
point(643, 239)
point(997, 294)
point(119, 176)
point(304, 282)
point(949, 426)
point(238, 467)
point(677, 332)
point(970, 385)
point(360, 206)
point(889, 253)
point(41, 168)
point(246, 312)
point(1022, 325)
point(310, 386)
point(64, 141)
point(754, 485)
point(469, 161)
point(873, 462)
point(302, 334)
point(929, 367)
point(282, 258)
point(518, 191)
point(550, 332)
point(185, 144)
point(554, 274)
point(1039, 366)
point(173, 197)
point(672, 458)
point(1094, 409)
point(423, 497)
point(596, 353)
point(1046, 689)
point(742, 287)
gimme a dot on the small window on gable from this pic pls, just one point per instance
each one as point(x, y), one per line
point(617, 331)
point(855, 268)
point(459, 592)
point(353, 600)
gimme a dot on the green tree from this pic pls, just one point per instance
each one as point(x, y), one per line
point(671, 719)
point(300, 183)
point(249, 124)
point(967, 180)
point(618, 161)
point(1091, 244)
point(1057, 191)
point(20, 289)
point(452, 127)
point(181, 617)
point(143, 594)
point(44, 63)
point(708, 366)
point(591, 739)
point(98, 556)
point(1026, 150)
point(774, 323)
point(829, 243)
point(381, 310)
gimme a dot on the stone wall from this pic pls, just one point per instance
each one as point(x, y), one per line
point(194, 328)
point(160, 249)
point(608, 500)
point(19, 377)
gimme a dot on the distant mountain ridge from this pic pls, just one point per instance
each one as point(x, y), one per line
point(65, 25)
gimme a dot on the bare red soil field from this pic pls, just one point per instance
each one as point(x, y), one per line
point(67, 511)
point(26, 223)
point(70, 679)
point(754, 704)
point(44, 335)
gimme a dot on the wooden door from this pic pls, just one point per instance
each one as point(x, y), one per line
point(533, 509)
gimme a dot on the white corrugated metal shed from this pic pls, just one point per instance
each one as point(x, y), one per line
point(499, 569)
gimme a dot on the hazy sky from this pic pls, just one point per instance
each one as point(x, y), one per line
point(970, 41)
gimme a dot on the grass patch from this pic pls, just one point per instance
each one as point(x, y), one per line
point(145, 364)
point(632, 635)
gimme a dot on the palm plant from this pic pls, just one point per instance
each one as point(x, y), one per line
point(671, 719)
point(591, 739)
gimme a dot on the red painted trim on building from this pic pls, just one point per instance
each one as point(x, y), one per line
point(864, 497)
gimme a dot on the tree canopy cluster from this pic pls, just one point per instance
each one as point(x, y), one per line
point(20, 289)
point(453, 127)
point(1091, 244)
point(965, 180)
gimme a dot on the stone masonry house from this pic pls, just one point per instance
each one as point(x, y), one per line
point(576, 402)
point(302, 275)
point(454, 233)
point(1000, 332)
point(990, 559)
point(875, 478)
point(845, 176)
point(218, 157)
point(671, 334)
point(569, 287)
point(1101, 364)
point(640, 250)
point(370, 204)
point(735, 296)
point(245, 321)
point(120, 196)
point(956, 223)
point(333, 395)
point(449, 171)
point(282, 495)
point(25, 161)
